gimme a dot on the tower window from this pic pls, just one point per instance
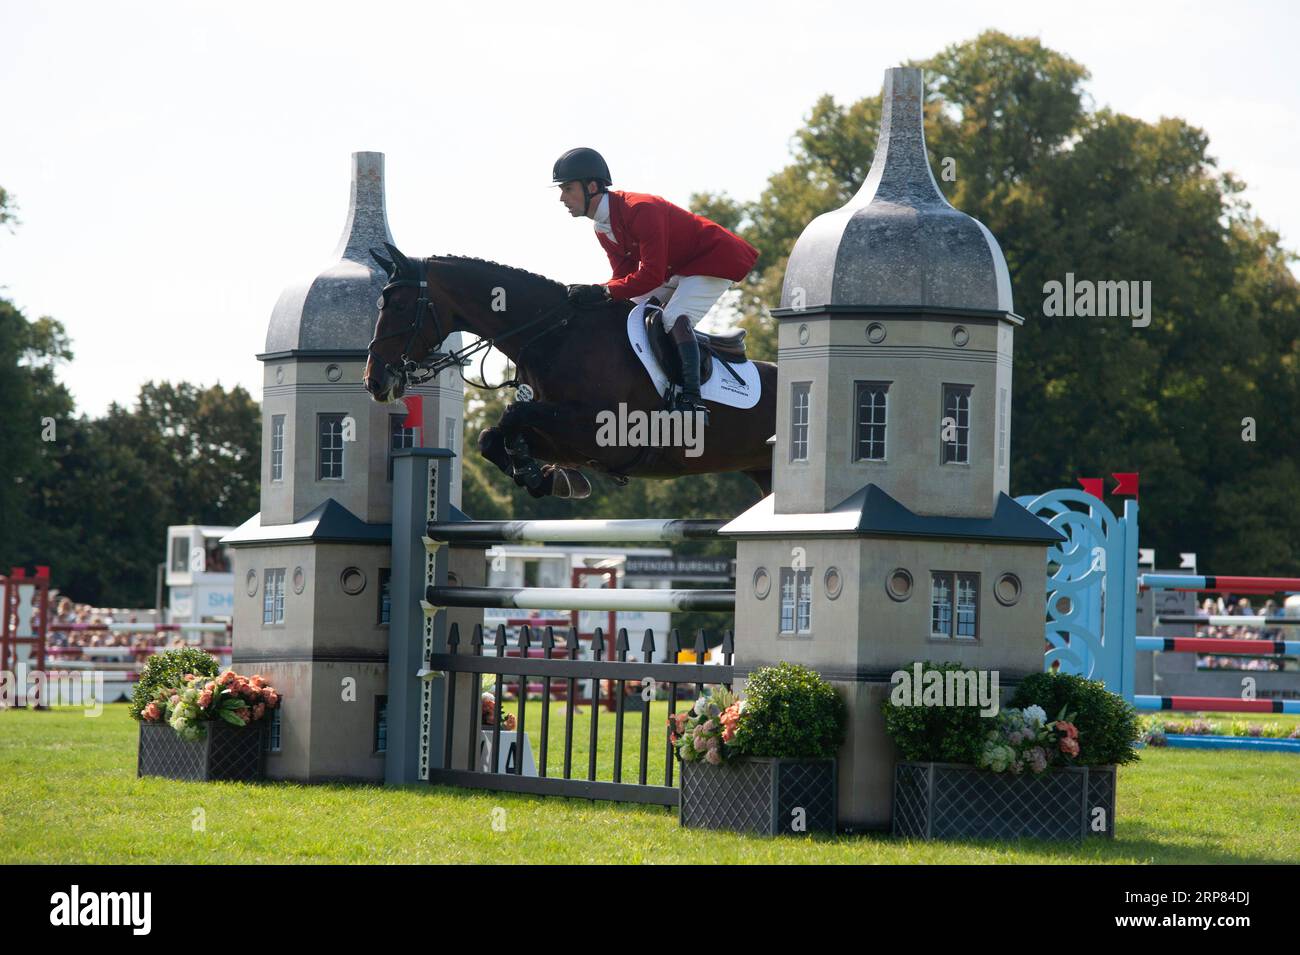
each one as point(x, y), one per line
point(273, 596)
point(800, 401)
point(399, 437)
point(954, 605)
point(1003, 428)
point(796, 600)
point(954, 429)
point(330, 448)
point(277, 447)
point(871, 404)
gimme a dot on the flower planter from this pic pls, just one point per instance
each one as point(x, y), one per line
point(759, 795)
point(226, 752)
point(956, 801)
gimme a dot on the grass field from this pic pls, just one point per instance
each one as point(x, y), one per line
point(68, 793)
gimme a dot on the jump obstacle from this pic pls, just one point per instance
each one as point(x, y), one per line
point(1092, 626)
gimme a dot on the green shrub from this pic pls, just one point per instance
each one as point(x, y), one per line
point(790, 712)
point(167, 670)
point(940, 734)
point(1108, 726)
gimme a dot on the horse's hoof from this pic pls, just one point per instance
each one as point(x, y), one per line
point(570, 485)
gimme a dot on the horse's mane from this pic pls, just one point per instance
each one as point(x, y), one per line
point(518, 272)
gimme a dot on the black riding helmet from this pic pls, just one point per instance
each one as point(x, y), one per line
point(582, 164)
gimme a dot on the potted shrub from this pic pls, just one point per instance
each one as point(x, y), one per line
point(196, 724)
point(765, 764)
point(1043, 768)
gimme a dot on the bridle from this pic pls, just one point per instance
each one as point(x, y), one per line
point(414, 372)
point(409, 368)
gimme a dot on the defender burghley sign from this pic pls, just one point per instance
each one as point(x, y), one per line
point(682, 568)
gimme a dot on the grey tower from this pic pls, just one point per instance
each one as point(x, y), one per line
point(312, 568)
point(889, 536)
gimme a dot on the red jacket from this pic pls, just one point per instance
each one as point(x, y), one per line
point(654, 239)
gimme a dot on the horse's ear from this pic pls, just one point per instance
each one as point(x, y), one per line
point(384, 264)
point(403, 264)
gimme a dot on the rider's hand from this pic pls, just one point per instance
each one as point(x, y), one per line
point(588, 294)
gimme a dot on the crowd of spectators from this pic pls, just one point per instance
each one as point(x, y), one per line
point(1219, 607)
point(93, 629)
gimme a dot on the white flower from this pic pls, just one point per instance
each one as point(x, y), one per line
point(1035, 714)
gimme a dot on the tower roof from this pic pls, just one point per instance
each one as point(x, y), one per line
point(335, 311)
point(898, 242)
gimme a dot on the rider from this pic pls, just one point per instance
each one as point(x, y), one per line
point(657, 250)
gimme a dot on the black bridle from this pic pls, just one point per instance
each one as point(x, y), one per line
point(414, 372)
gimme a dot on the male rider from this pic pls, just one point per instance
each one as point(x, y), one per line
point(656, 249)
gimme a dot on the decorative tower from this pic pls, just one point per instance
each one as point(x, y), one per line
point(889, 536)
point(312, 603)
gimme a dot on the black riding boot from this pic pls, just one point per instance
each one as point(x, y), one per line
point(688, 399)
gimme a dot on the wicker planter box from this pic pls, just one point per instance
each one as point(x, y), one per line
point(957, 801)
point(759, 795)
point(234, 753)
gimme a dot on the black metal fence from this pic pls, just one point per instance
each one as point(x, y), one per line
point(620, 671)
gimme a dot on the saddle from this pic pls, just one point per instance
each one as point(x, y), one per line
point(728, 348)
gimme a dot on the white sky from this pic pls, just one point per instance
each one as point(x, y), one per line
point(177, 164)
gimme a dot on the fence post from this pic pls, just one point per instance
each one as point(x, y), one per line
point(421, 493)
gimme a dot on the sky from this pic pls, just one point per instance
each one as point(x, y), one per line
point(176, 164)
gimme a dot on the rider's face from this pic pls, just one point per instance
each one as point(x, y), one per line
point(573, 197)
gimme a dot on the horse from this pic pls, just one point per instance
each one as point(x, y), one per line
point(576, 362)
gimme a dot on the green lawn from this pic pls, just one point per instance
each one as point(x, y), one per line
point(68, 793)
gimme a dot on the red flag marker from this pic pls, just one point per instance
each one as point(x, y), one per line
point(1126, 483)
point(1094, 486)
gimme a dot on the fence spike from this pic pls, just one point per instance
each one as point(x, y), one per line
point(621, 644)
point(524, 639)
point(728, 644)
point(701, 646)
point(501, 638)
point(548, 640)
point(598, 644)
point(476, 639)
point(648, 642)
point(453, 638)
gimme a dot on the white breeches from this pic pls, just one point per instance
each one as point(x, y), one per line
point(689, 295)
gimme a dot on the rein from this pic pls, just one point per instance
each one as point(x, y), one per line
point(419, 372)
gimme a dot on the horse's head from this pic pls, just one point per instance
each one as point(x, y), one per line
point(409, 326)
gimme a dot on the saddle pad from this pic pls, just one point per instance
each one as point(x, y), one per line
point(721, 388)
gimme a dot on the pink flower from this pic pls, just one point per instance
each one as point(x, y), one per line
point(257, 680)
point(175, 699)
point(227, 678)
point(1069, 746)
point(205, 699)
point(151, 712)
point(1069, 729)
point(243, 713)
point(700, 744)
point(270, 697)
point(713, 757)
point(259, 711)
point(509, 721)
point(211, 687)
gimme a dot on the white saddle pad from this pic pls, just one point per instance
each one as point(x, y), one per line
point(721, 387)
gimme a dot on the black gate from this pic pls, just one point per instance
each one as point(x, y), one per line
point(565, 672)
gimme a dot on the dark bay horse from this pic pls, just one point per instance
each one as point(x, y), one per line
point(577, 363)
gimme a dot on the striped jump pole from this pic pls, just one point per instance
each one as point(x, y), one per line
point(1260, 648)
point(1249, 621)
point(579, 598)
point(576, 532)
point(1255, 585)
point(1221, 704)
